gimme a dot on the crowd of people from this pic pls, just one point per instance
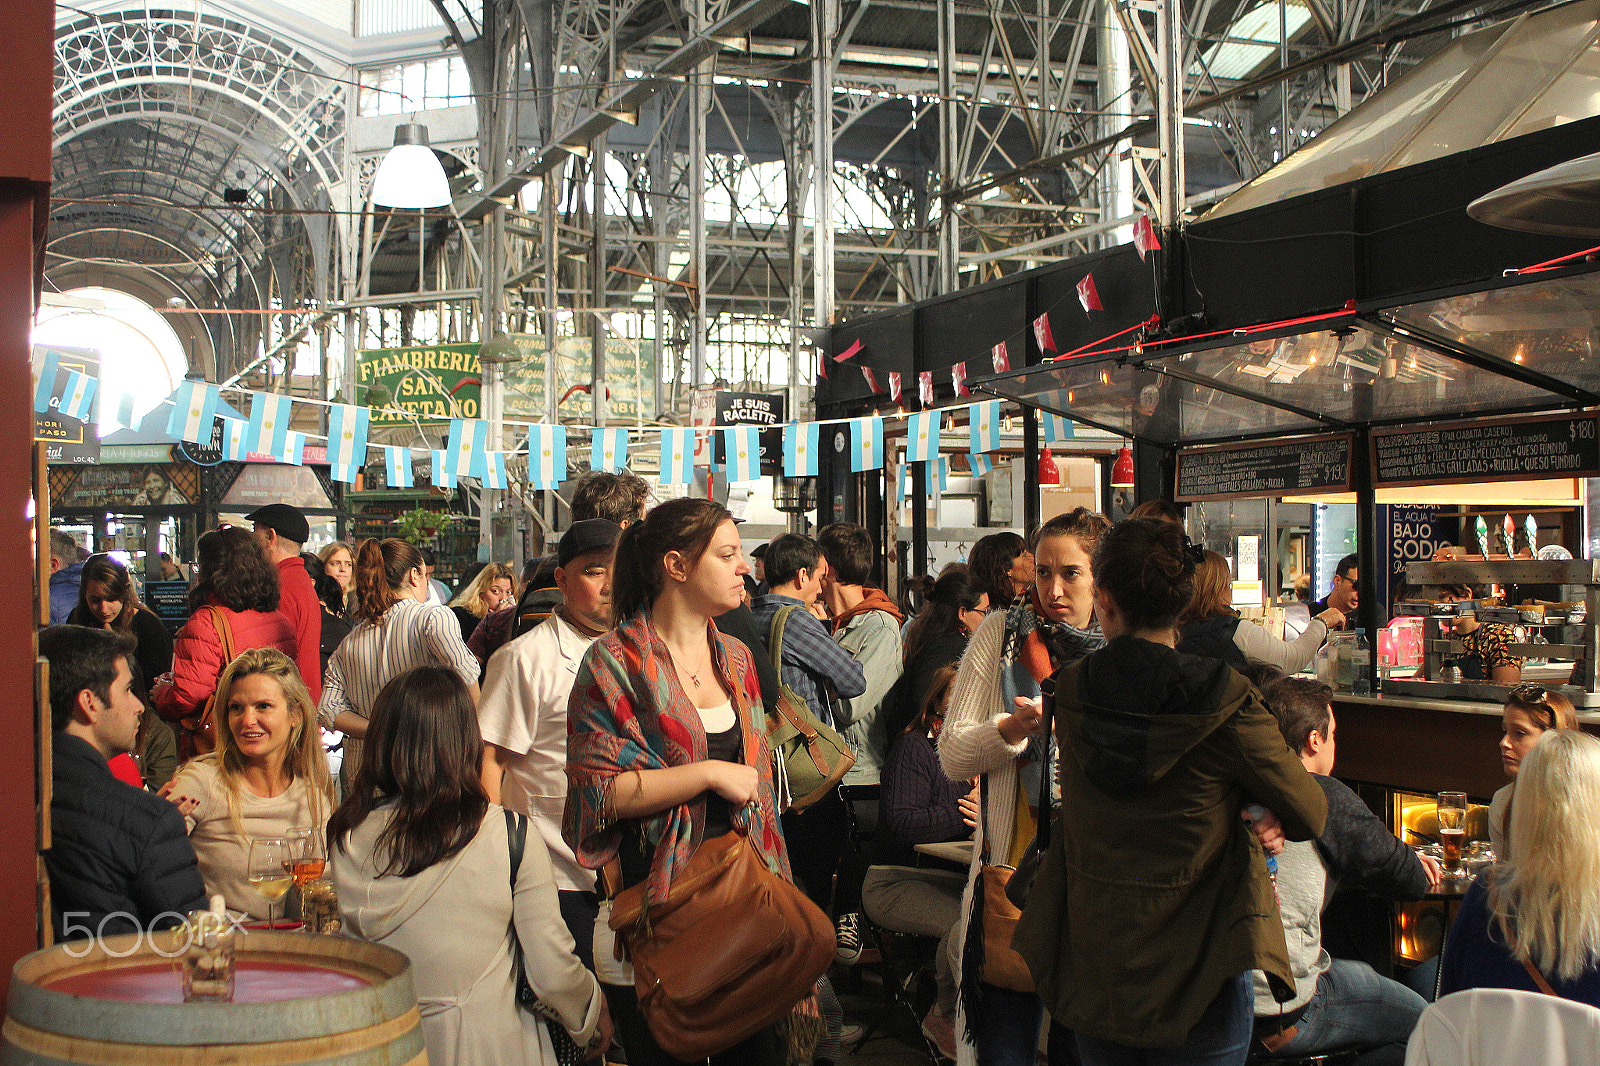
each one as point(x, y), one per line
point(516, 756)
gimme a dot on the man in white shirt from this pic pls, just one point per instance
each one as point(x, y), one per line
point(523, 710)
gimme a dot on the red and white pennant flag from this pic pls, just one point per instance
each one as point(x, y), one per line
point(895, 392)
point(1002, 358)
point(958, 374)
point(1088, 295)
point(925, 388)
point(1042, 335)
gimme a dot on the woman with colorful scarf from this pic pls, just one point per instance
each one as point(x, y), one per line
point(665, 745)
point(994, 729)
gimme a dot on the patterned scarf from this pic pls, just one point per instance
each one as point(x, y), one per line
point(629, 711)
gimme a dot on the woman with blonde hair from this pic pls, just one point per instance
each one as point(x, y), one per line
point(398, 630)
point(1212, 628)
point(267, 776)
point(339, 563)
point(1533, 921)
point(1530, 712)
point(494, 587)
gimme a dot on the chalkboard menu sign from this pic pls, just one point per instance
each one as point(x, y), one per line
point(169, 600)
point(1520, 449)
point(1273, 468)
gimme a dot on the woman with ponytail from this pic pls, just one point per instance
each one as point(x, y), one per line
point(993, 731)
point(1153, 903)
point(398, 630)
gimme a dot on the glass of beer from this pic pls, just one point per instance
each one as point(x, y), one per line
point(1452, 828)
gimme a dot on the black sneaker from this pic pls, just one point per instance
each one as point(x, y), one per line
point(847, 948)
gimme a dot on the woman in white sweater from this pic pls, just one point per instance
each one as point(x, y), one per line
point(993, 730)
point(423, 863)
point(1212, 628)
point(267, 776)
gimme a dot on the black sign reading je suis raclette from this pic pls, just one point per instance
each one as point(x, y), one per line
point(1514, 449)
point(1271, 468)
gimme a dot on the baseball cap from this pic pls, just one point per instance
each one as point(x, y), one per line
point(288, 522)
point(591, 534)
point(759, 550)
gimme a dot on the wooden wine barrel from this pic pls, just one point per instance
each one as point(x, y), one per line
point(299, 998)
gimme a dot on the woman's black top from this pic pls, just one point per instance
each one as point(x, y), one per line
point(727, 746)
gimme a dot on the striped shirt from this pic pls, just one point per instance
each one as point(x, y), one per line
point(410, 634)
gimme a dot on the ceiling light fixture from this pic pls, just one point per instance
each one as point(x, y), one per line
point(410, 176)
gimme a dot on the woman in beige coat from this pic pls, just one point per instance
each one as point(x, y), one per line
point(422, 863)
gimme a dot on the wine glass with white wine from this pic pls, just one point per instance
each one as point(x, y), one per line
point(267, 873)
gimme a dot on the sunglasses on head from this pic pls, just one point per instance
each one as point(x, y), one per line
point(1531, 694)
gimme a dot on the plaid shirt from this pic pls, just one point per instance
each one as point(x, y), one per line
point(810, 655)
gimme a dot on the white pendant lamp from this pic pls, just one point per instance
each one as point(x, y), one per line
point(410, 175)
point(1563, 200)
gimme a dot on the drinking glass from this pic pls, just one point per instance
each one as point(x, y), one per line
point(1452, 810)
point(307, 854)
point(267, 873)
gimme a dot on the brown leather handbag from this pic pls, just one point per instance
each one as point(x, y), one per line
point(729, 952)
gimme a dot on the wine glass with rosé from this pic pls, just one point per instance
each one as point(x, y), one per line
point(307, 854)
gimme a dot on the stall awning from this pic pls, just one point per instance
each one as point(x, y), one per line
point(1519, 347)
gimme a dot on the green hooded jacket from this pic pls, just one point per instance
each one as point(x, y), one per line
point(1154, 891)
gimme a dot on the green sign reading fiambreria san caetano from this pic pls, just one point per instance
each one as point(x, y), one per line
point(433, 383)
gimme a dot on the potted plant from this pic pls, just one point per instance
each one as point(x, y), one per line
point(421, 525)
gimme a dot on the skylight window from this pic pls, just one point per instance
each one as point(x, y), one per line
point(1253, 40)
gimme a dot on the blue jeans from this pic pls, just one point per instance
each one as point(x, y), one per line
point(1355, 1007)
point(1220, 1038)
point(1006, 1030)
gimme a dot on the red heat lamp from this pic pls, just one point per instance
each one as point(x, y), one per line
point(1122, 469)
point(1049, 473)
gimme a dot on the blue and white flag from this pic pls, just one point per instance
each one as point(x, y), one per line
point(194, 405)
point(981, 464)
point(294, 448)
point(741, 448)
point(397, 467)
point(903, 482)
point(866, 444)
point(608, 448)
point(235, 435)
point(547, 456)
point(494, 470)
point(677, 456)
point(77, 396)
point(944, 473)
point(45, 391)
point(469, 437)
point(922, 437)
point(1056, 427)
point(443, 478)
point(800, 449)
point(983, 420)
point(347, 441)
point(269, 423)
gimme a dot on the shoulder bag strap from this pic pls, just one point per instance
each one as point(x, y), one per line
point(219, 620)
point(1538, 979)
point(775, 634)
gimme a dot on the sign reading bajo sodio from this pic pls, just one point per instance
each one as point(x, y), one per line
point(433, 383)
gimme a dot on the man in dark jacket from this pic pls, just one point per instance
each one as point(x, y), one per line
point(119, 860)
point(1339, 1004)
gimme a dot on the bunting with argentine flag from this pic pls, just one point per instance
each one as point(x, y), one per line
point(493, 474)
point(981, 464)
point(741, 448)
point(347, 441)
point(443, 478)
point(194, 405)
point(463, 450)
point(1056, 427)
point(800, 449)
point(677, 456)
point(866, 444)
point(922, 437)
point(903, 482)
point(294, 449)
point(983, 424)
point(235, 437)
point(608, 448)
point(547, 455)
point(397, 467)
point(45, 391)
point(944, 473)
point(77, 396)
point(269, 423)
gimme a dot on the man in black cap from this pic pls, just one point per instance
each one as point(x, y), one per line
point(758, 563)
point(281, 531)
point(523, 710)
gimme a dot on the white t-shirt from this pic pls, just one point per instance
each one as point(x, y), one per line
point(524, 710)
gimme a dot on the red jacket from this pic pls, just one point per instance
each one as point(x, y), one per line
point(297, 599)
point(197, 655)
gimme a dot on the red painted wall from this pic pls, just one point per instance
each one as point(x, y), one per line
point(27, 27)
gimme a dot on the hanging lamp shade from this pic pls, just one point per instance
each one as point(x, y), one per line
point(1122, 469)
point(1049, 473)
point(1563, 200)
point(410, 175)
